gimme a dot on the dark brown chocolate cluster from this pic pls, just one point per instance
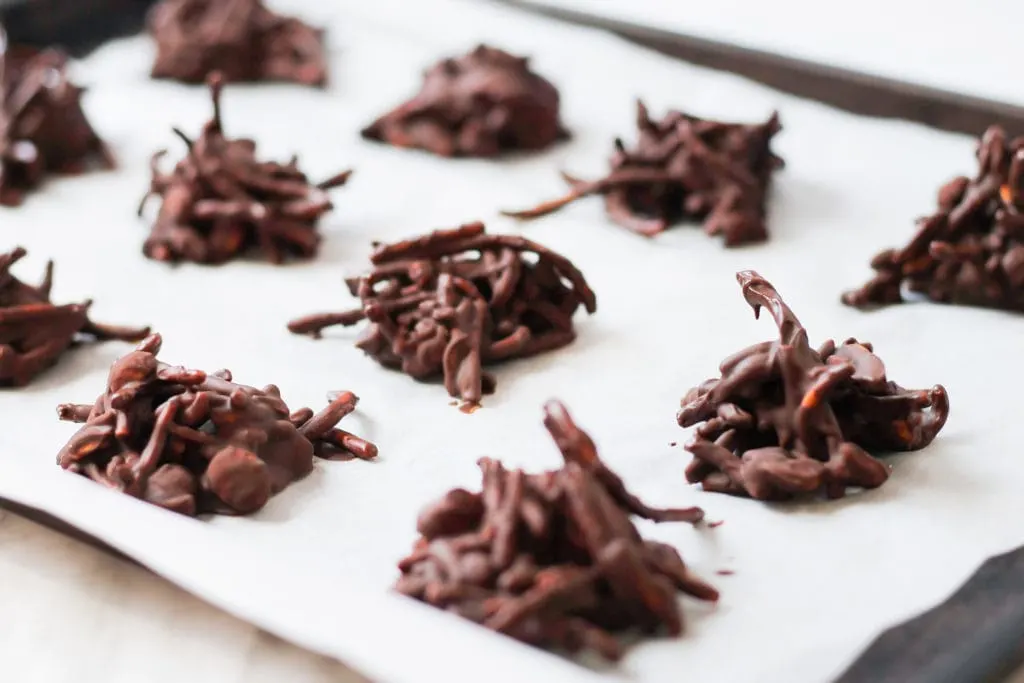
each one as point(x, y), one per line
point(479, 105)
point(971, 251)
point(785, 419)
point(685, 168)
point(454, 300)
point(194, 442)
point(220, 202)
point(241, 39)
point(42, 126)
point(35, 332)
point(552, 559)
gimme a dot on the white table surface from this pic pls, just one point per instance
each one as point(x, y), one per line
point(73, 613)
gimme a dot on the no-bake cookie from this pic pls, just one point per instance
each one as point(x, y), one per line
point(784, 419)
point(482, 104)
point(452, 301)
point(35, 332)
point(684, 168)
point(971, 250)
point(220, 202)
point(552, 559)
point(42, 126)
point(241, 39)
point(196, 442)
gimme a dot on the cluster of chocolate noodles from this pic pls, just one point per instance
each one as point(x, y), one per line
point(454, 300)
point(551, 559)
point(685, 168)
point(220, 202)
point(42, 126)
point(241, 39)
point(479, 105)
point(34, 332)
point(970, 251)
point(785, 419)
point(194, 442)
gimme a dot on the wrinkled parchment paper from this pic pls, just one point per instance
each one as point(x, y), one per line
point(812, 582)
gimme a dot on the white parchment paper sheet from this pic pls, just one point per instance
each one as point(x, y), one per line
point(813, 582)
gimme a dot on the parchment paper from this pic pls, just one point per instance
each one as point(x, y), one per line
point(908, 45)
point(813, 582)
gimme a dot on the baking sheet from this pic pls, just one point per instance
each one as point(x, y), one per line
point(813, 582)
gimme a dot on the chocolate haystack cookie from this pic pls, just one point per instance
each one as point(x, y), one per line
point(480, 105)
point(42, 126)
point(971, 251)
point(194, 442)
point(241, 39)
point(220, 202)
point(34, 332)
point(551, 559)
point(452, 301)
point(685, 169)
point(784, 419)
